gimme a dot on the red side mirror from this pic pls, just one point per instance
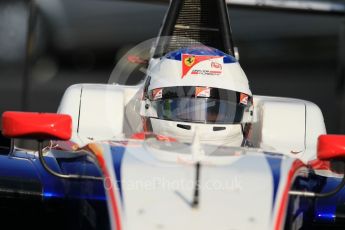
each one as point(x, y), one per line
point(331, 147)
point(40, 126)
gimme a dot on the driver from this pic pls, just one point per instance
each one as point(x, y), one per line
point(199, 89)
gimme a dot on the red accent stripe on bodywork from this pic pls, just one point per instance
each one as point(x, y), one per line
point(320, 165)
point(145, 135)
point(296, 165)
point(111, 192)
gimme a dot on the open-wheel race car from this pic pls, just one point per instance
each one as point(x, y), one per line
point(188, 147)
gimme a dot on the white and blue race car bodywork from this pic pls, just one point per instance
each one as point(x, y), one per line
point(150, 182)
point(240, 188)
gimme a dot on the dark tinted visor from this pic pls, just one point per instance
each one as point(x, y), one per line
point(199, 104)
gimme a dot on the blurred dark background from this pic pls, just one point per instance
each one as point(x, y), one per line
point(286, 54)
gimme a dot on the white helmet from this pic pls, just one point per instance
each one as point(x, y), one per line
point(199, 89)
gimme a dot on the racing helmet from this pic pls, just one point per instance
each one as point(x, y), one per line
point(198, 88)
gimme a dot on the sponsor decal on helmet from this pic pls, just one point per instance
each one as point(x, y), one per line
point(206, 72)
point(202, 92)
point(189, 61)
point(244, 99)
point(157, 94)
point(216, 65)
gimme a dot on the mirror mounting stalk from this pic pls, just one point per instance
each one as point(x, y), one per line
point(321, 195)
point(54, 173)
